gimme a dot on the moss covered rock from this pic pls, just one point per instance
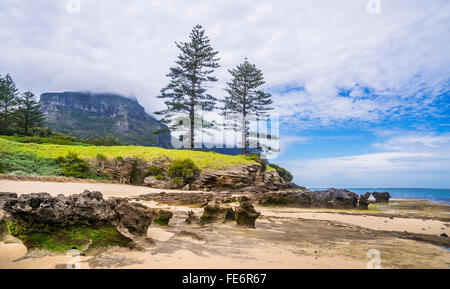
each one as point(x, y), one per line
point(81, 221)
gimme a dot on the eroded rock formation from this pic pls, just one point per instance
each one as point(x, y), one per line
point(381, 197)
point(79, 221)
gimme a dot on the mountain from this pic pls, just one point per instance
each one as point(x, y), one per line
point(87, 115)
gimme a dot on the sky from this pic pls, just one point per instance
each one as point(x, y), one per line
point(363, 91)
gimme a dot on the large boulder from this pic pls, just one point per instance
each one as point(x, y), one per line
point(134, 216)
point(192, 218)
point(381, 197)
point(246, 214)
point(216, 211)
point(363, 201)
point(331, 198)
point(163, 217)
point(81, 221)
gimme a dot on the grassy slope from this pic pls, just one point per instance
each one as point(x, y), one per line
point(204, 160)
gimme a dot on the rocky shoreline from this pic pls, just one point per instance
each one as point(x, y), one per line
point(87, 221)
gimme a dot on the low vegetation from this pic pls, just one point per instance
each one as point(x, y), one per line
point(282, 172)
point(202, 160)
point(60, 239)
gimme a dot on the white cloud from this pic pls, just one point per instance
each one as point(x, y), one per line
point(410, 160)
point(322, 45)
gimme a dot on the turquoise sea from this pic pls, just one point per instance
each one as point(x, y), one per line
point(434, 195)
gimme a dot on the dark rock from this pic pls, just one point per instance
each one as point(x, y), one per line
point(363, 201)
point(163, 217)
point(43, 208)
point(133, 216)
point(381, 197)
point(246, 214)
point(73, 221)
point(331, 198)
point(199, 199)
point(192, 219)
point(215, 211)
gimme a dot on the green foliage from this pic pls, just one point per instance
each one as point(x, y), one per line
point(28, 164)
point(282, 172)
point(188, 79)
point(275, 201)
point(203, 160)
point(60, 239)
point(178, 181)
point(28, 114)
point(245, 98)
point(119, 158)
point(8, 103)
point(184, 171)
point(73, 166)
point(104, 141)
point(230, 200)
point(160, 177)
point(162, 220)
point(257, 158)
point(100, 158)
point(154, 171)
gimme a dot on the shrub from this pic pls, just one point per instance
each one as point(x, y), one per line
point(73, 166)
point(101, 158)
point(154, 171)
point(184, 171)
point(284, 174)
point(257, 158)
point(29, 164)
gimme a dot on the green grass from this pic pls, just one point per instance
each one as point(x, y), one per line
point(203, 160)
point(26, 163)
point(61, 239)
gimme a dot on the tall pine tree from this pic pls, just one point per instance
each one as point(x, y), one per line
point(28, 115)
point(245, 98)
point(187, 87)
point(8, 102)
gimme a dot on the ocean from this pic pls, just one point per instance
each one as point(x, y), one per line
point(435, 195)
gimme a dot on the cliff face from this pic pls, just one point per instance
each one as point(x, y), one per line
point(87, 115)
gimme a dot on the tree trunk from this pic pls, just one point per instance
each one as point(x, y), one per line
point(191, 117)
point(244, 135)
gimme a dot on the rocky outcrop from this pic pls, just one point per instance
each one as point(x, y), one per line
point(363, 201)
point(79, 221)
point(252, 176)
point(192, 218)
point(331, 198)
point(216, 211)
point(3, 215)
point(184, 199)
point(246, 214)
point(163, 217)
point(381, 197)
point(133, 216)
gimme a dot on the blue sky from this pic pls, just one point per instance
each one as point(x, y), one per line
point(363, 97)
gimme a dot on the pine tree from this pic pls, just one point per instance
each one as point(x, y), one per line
point(187, 87)
point(8, 102)
point(28, 115)
point(244, 97)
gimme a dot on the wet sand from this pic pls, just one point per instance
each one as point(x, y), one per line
point(283, 238)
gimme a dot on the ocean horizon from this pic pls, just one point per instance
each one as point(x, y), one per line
point(441, 196)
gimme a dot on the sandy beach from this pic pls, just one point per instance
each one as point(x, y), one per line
point(283, 238)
